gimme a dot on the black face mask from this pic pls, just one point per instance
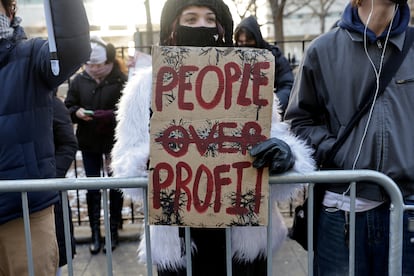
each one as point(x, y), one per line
point(399, 2)
point(197, 36)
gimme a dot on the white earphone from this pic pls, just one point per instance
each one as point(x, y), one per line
point(377, 79)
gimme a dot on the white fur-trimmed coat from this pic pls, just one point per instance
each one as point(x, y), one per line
point(129, 159)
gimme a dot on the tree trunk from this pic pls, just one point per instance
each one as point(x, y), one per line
point(277, 13)
point(149, 24)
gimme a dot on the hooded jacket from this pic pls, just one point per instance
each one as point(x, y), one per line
point(332, 81)
point(173, 8)
point(96, 135)
point(283, 72)
point(26, 112)
point(130, 156)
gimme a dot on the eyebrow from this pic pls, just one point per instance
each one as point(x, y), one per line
point(195, 13)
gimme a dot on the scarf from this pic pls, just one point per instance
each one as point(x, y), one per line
point(99, 73)
point(197, 36)
point(7, 27)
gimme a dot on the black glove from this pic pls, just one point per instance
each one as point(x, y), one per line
point(275, 154)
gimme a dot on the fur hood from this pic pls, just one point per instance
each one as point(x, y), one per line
point(130, 156)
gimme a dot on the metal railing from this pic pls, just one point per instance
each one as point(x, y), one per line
point(77, 171)
point(397, 209)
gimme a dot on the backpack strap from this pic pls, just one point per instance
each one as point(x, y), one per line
point(389, 70)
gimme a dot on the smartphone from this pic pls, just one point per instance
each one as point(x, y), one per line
point(88, 112)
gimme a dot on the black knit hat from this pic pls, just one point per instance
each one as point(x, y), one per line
point(173, 8)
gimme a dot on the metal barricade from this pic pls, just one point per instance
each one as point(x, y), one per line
point(65, 184)
point(397, 209)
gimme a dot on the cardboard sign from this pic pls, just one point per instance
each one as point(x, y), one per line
point(210, 105)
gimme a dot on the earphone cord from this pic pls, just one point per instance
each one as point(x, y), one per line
point(377, 79)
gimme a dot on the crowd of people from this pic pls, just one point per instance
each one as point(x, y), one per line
point(367, 55)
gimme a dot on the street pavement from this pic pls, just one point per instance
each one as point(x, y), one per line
point(291, 260)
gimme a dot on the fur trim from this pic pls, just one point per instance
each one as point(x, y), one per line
point(304, 163)
point(248, 243)
point(131, 149)
point(130, 156)
point(165, 247)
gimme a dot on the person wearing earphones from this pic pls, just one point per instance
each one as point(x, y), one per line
point(338, 70)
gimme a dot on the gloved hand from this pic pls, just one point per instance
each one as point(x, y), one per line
point(103, 114)
point(105, 121)
point(275, 154)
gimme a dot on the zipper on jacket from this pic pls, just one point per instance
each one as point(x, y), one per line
point(379, 44)
point(404, 81)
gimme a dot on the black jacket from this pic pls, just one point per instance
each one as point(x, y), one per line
point(26, 112)
point(96, 135)
point(66, 146)
point(65, 140)
point(283, 72)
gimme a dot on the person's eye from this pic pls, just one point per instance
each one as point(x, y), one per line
point(211, 19)
point(190, 19)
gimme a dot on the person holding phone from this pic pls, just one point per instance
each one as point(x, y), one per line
point(91, 100)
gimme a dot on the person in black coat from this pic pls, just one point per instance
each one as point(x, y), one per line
point(91, 100)
point(248, 34)
point(66, 146)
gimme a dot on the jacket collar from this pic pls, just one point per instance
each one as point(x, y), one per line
point(397, 40)
point(350, 21)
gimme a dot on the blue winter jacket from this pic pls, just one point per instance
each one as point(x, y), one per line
point(26, 110)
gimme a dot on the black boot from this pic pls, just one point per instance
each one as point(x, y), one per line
point(114, 238)
point(93, 198)
point(95, 245)
point(115, 209)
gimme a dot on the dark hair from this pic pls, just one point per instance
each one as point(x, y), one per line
point(356, 3)
point(243, 30)
point(10, 7)
point(109, 49)
point(110, 52)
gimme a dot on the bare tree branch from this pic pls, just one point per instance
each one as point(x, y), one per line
point(245, 6)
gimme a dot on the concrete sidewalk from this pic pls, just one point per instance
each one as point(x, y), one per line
point(291, 260)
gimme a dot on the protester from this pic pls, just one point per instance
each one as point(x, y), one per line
point(66, 147)
point(199, 23)
point(97, 90)
point(339, 69)
point(27, 150)
point(248, 34)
